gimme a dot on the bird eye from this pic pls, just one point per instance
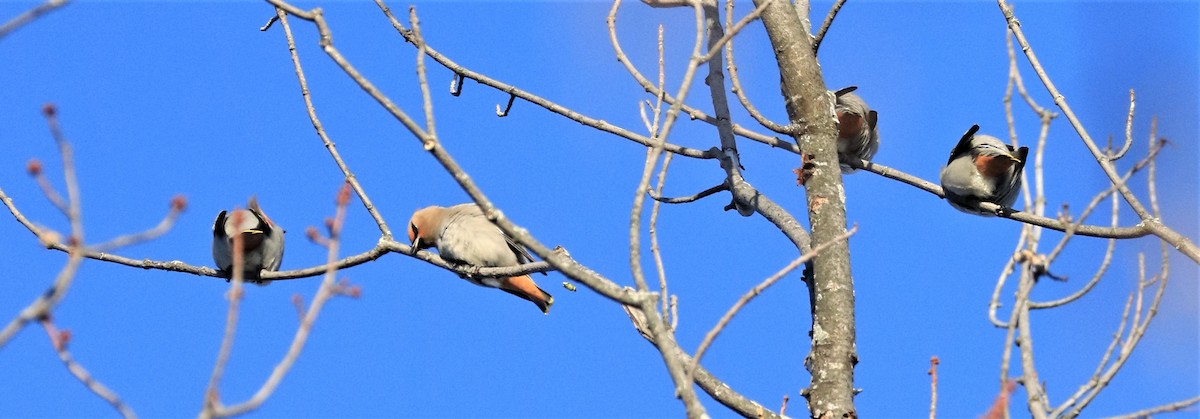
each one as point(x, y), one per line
point(413, 227)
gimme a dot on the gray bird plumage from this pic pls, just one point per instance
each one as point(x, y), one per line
point(982, 168)
point(462, 234)
point(857, 132)
point(262, 241)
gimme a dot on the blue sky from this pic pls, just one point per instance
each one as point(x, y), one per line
point(190, 98)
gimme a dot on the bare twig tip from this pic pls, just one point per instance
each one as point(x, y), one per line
point(179, 203)
point(353, 291)
point(298, 301)
point(34, 167)
point(61, 340)
point(343, 197)
point(49, 110)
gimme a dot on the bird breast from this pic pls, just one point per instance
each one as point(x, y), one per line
point(962, 178)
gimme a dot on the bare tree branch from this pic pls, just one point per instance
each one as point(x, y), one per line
point(1151, 223)
point(59, 339)
point(212, 396)
point(320, 129)
point(1169, 407)
point(933, 383)
point(44, 304)
point(29, 15)
point(759, 289)
point(1036, 397)
point(714, 387)
point(1139, 230)
point(178, 204)
point(833, 11)
point(537, 100)
point(737, 83)
point(810, 105)
point(690, 198)
point(328, 289)
point(1108, 252)
point(692, 112)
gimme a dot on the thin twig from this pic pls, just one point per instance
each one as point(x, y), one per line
point(1169, 407)
point(534, 99)
point(690, 111)
point(715, 46)
point(559, 260)
point(999, 408)
point(663, 339)
point(1112, 346)
point(1104, 263)
point(1128, 131)
point(426, 98)
point(1036, 398)
point(328, 289)
point(178, 204)
point(1009, 267)
point(1137, 330)
point(759, 289)
point(690, 198)
point(29, 15)
point(652, 128)
point(1152, 173)
point(714, 387)
point(212, 396)
point(1150, 222)
point(52, 195)
point(833, 11)
point(664, 294)
point(320, 129)
point(933, 384)
point(1139, 230)
point(59, 339)
point(736, 82)
point(44, 304)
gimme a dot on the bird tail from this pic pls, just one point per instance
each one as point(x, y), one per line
point(524, 287)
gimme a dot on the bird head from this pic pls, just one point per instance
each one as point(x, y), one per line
point(423, 227)
point(246, 224)
point(991, 156)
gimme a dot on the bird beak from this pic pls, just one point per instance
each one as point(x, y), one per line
point(413, 246)
point(1012, 158)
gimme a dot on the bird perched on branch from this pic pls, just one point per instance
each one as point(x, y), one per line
point(857, 134)
point(462, 234)
point(983, 169)
point(262, 241)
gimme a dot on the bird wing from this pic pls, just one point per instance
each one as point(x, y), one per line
point(219, 225)
point(1006, 193)
point(845, 90)
point(523, 255)
point(964, 144)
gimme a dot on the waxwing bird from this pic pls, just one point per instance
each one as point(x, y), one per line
point(857, 135)
point(983, 169)
point(262, 241)
point(462, 234)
